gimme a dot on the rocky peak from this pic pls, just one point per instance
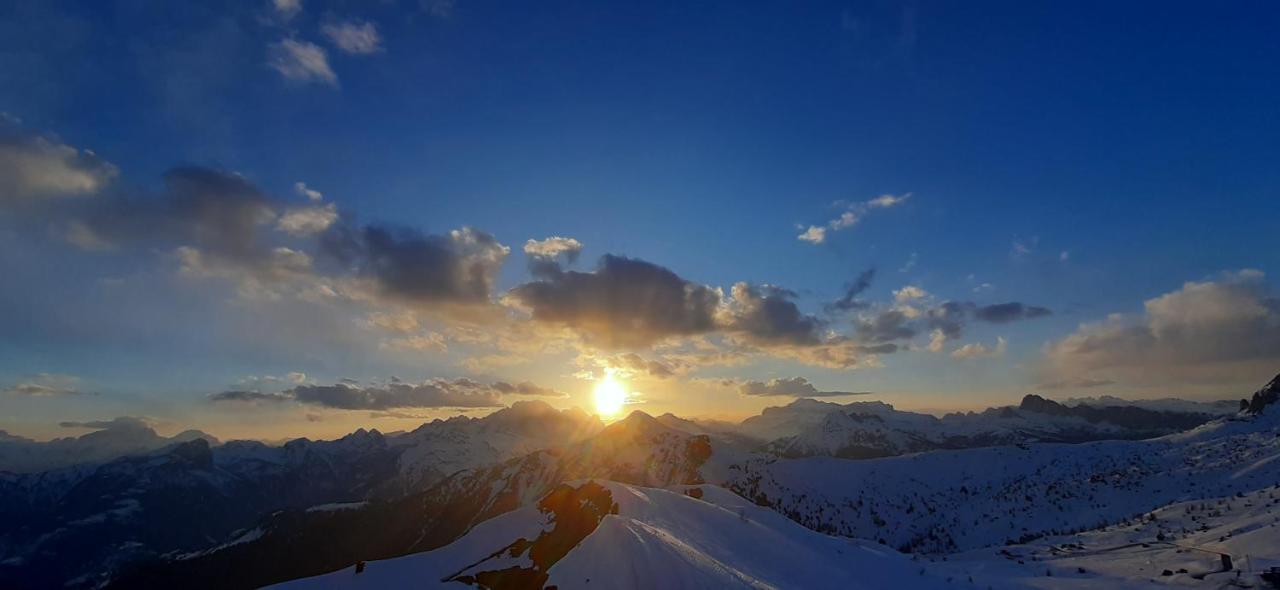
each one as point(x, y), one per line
point(1040, 405)
point(1263, 397)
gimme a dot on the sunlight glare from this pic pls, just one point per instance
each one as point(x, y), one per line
point(609, 397)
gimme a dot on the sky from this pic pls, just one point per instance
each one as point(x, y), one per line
point(294, 217)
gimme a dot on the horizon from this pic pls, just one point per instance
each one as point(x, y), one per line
point(286, 219)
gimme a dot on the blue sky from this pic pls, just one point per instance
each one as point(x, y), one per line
point(1080, 158)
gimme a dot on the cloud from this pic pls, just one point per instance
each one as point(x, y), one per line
point(459, 393)
point(767, 315)
point(1003, 313)
point(304, 191)
point(976, 350)
point(545, 255)
point(402, 322)
point(430, 341)
point(1083, 383)
point(794, 386)
point(301, 61)
point(624, 302)
point(951, 316)
point(121, 423)
point(883, 327)
point(287, 8)
point(1225, 330)
point(410, 266)
point(305, 221)
point(908, 294)
point(813, 234)
point(853, 214)
point(359, 38)
point(849, 301)
point(215, 210)
point(35, 167)
point(45, 385)
point(238, 395)
point(433, 393)
point(526, 388)
point(439, 8)
point(553, 247)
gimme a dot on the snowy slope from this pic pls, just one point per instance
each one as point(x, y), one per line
point(945, 501)
point(655, 539)
point(1179, 545)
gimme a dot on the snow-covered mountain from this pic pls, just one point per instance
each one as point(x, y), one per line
point(603, 534)
point(89, 520)
point(443, 447)
point(862, 430)
point(112, 439)
point(952, 500)
point(253, 514)
point(638, 450)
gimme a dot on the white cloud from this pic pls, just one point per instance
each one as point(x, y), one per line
point(976, 350)
point(305, 221)
point(304, 191)
point(1214, 331)
point(851, 216)
point(287, 8)
point(354, 37)
point(45, 385)
point(36, 167)
point(813, 235)
point(553, 247)
point(909, 293)
point(937, 339)
point(301, 61)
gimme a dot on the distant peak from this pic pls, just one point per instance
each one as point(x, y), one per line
point(1034, 403)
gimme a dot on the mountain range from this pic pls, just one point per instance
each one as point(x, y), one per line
point(253, 514)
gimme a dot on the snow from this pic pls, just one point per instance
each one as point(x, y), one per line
point(663, 538)
point(944, 501)
point(1184, 538)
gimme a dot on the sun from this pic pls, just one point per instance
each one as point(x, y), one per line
point(610, 397)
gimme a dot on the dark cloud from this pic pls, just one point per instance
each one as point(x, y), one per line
point(636, 363)
point(248, 396)
point(460, 393)
point(217, 211)
point(526, 388)
point(768, 315)
point(883, 328)
point(121, 423)
point(435, 393)
point(624, 302)
point(949, 318)
point(952, 316)
point(416, 267)
point(1079, 383)
point(1002, 313)
point(849, 301)
point(794, 386)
